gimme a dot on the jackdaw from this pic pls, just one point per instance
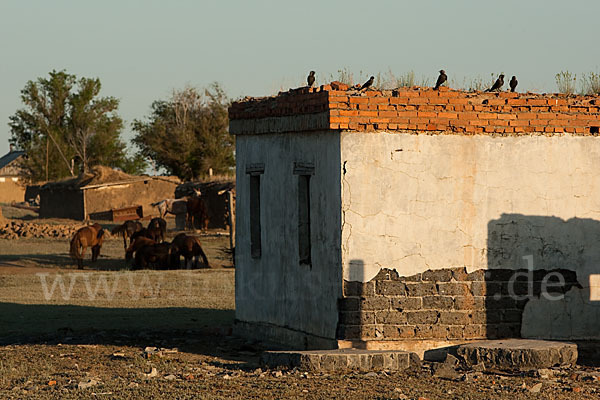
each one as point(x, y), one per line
point(498, 84)
point(311, 78)
point(367, 83)
point(513, 83)
point(441, 79)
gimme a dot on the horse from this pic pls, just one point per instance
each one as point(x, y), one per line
point(144, 232)
point(88, 236)
point(165, 207)
point(127, 229)
point(188, 247)
point(137, 244)
point(196, 208)
point(157, 255)
point(158, 229)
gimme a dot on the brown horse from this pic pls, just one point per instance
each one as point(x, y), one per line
point(137, 244)
point(196, 210)
point(88, 236)
point(126, 230)
point(188, 247)
point(157, 229)
point(153, 256)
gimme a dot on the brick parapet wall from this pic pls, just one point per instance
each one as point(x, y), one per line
point(445, 304)
point(428, 110)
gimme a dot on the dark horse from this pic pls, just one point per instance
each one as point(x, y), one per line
point(196, 210)
point(137, 244)
point(188, 247)
point(155, 256)
point(127, 229)
point(88, 236)
point(157, 229)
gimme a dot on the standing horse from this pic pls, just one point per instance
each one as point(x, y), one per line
point(158, 229)
point(189, 247)
point(165, 207)
point(127, 229)
point(88, 236)
point(196, 209)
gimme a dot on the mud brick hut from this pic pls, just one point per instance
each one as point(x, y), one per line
point(94, 195)
point(11, 186)
point(416, 219)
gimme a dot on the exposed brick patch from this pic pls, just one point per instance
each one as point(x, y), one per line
point(423, 109)
point(442, 304)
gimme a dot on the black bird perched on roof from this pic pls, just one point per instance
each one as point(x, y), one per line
point(498, 84)
point(367, 83)
point(513, 83)
point(441, 79)
point(311, 78)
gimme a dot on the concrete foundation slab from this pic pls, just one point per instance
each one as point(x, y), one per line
point(519, 354)
point(341, 360)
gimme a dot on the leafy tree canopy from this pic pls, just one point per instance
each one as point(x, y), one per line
point(66, 128)
point(188, 133)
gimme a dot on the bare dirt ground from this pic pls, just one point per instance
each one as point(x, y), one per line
point(110, 333)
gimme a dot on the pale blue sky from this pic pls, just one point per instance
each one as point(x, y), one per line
point(141, 50)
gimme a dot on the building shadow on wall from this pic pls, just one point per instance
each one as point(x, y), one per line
point(542, 278)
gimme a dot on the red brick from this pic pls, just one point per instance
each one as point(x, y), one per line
point(419, 100)
point(407, 114)
point(339, 120)
point(447, 115)
point(348, 113)
point(379, 100)
point(527, 115)
point(388, 113)
point(487, 116)
point(365, 113)
point(385, 107)
point(372, 107)
point(359, 100)
point(496, 102)
point(424, 114)
point(539, 122)
point(338, 99)
point(372, 93)
point(517, 102)
point(458, 101)
point(478, 122)
point(517, 122)
point(537, 102)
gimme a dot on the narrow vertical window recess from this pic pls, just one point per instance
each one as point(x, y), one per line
point(304, 171)
point(255, 171)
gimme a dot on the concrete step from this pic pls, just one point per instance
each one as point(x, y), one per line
point(341, 360)
point(518, 354)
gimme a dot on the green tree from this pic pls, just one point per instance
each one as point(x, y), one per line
point(188, 133)
point(65, 128)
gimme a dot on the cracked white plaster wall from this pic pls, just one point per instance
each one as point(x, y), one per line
point(417, 202)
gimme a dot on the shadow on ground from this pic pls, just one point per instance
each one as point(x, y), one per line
point(192, 330)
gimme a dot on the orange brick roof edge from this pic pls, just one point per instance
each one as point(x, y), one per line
point(416, 109)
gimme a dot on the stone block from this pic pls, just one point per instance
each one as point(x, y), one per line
point(390, 288)
point(390, 317)
point(518, 354)
point(359, 289)
point(421, 289)
point(422, 317)
point(454, 289)
point(438, 303)
point(406, 303)
point(374, 303)
point(455, 318)
point(439, 275)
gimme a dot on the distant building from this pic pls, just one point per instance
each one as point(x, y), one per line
point(11, 186)
point(94, 195)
